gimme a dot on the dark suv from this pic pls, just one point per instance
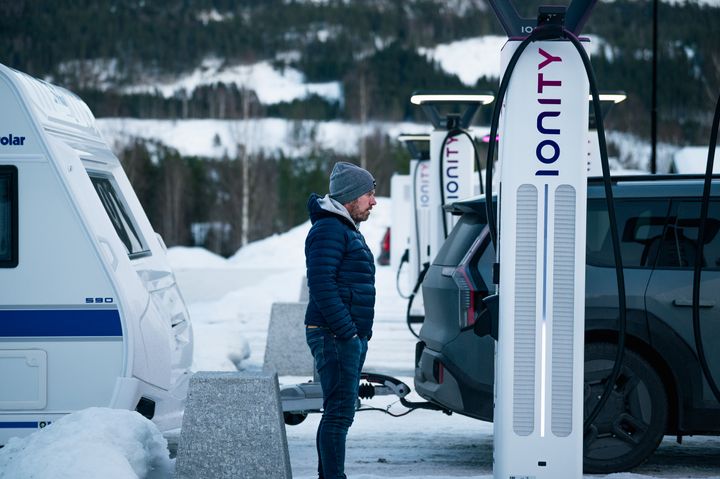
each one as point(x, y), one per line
point(661, 388)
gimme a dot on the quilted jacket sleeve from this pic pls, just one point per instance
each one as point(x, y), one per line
point(324, 250)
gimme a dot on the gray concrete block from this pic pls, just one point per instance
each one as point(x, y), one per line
point(233, 428)
point(286, 350)
point(304, 290)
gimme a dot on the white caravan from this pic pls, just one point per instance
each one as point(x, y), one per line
point(90, 314)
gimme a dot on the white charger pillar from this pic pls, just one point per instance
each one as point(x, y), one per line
point(401, 199)
point(538, 417)
point(452, 156)
point(419, 211)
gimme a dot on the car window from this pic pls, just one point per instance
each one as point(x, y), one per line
point(119, 216)
point(678, 246)
point(459, 241)
point(8, 217)
point(485, 264)
point(640, 224)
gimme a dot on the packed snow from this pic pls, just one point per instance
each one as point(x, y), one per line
point(92, 443)
point(229, 302)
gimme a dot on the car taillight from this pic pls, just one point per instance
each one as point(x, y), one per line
point(467, 288)
point(466, 296)
point(386, 241)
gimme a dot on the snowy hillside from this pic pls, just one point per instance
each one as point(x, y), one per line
point(218, 138)
point(270, 84)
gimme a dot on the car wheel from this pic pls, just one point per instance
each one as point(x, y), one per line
point(632, 423)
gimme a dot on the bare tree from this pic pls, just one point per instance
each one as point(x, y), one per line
point(173, 200)
point(363, 94)
point(245, 158)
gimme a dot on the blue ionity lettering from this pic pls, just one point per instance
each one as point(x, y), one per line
point(548, 150)
point(451, 171)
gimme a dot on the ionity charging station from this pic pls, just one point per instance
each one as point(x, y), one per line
point(452, 156)
point(418, 247)
point(538, 415)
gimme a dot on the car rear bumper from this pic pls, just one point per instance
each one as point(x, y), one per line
point(440, 381)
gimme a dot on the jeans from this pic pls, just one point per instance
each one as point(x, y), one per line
point(338, 363)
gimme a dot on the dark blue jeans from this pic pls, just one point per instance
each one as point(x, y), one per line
point(339, 363)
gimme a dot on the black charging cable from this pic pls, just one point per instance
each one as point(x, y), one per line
point(418, 283)
point(704, 206)
point(421, 275)
point(405, 259)
point(546, 32)
point(417, 233)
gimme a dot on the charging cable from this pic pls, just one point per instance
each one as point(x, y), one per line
point(704, 206)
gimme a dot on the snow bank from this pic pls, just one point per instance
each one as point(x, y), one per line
point(693, 159)
point(230, 299)
point(92, 443)
point(182, 257)
point(287, 250)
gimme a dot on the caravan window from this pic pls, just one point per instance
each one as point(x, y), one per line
point(119, 216)
point(8, 217)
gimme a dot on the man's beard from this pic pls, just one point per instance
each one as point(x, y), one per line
point(356, 213)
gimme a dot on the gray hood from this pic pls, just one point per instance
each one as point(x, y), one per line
point(333, 206)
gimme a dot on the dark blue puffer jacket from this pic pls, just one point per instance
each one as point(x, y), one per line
point(340, 272)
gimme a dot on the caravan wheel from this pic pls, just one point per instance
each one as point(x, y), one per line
point(294, 418)
point(632, 423)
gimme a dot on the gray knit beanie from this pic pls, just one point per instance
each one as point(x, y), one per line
point(349, 182)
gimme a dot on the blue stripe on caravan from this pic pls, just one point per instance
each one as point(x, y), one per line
point(18, 425)
point(59, 322)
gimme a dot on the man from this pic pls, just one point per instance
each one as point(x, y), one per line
point(339, 316)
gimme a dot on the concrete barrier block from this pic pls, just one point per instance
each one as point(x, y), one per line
point(233, 428)
point(286, 350)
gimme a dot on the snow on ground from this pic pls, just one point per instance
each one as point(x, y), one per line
point(693, 159)
point(229, 302)
point(93, 443)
